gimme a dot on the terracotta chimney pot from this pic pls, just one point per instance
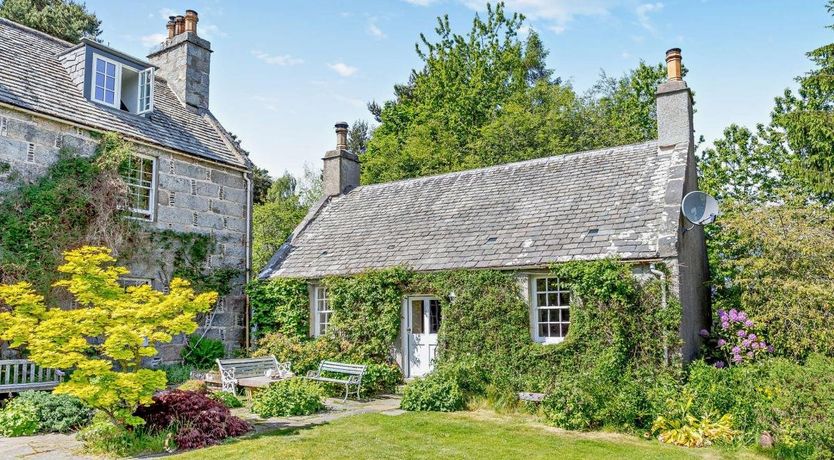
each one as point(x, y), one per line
point(191, 20)
point(673, 64)
point(179, 25)
point(170, 26)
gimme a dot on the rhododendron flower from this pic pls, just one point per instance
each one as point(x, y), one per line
point(733, 315)
point(748, 323)
point(752, 336)
point(736, 350)
point(725, 325)
point(745, 343)
point(719, 364)
point(703, 333)
point(722, 342)
point(741, 333)
point(737, 358)
point(742, 316)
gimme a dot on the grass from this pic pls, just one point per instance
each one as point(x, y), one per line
point(477, 434)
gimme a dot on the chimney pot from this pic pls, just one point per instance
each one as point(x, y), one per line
point(179, 25)
point(341, 135)
point(191, 20)
point(170, 26)
point(673, 64)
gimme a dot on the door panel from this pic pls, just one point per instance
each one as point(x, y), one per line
point(423, 318)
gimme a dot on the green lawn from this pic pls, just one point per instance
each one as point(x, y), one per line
point(436, 435)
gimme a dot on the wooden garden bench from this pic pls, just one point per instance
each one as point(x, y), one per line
point(251, 373)
point(18, 375)
point(353, 375)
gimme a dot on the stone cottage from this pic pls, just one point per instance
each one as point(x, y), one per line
point(622, 202)
point(187, 173)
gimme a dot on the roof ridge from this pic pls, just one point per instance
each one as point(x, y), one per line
point(32, 31)
point(510, 165)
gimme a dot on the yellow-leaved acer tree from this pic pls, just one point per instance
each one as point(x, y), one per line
point(104, 338)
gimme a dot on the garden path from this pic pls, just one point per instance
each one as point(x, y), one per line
point(66, 447)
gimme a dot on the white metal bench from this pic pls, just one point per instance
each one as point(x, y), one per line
point(251, 372)
point(18, 375)
point(354, 373)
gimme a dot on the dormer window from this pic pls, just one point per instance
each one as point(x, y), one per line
point(120, 86)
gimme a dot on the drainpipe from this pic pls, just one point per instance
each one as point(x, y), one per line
point(248, 256)
point(663, 303)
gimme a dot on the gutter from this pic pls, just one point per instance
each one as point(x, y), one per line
point(248, 256)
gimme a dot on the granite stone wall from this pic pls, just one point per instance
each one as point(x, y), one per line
point(191, 196)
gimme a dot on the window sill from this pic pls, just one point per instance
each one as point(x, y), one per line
point(549, 340)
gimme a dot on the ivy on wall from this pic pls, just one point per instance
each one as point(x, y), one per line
point(614, 356)
point(280, 305)
point(81, 201)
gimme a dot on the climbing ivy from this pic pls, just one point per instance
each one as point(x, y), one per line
point(280, 305)
point(190, 253)
point(613, 366)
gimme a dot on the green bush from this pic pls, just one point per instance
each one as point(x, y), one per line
point(433, 393)
point(304, 354)
point(202, 353)
point(42, 412)
point(229, 400)
point(295, 396)
point(177, 373)
point(19, 419)
point(380, 379)
point(198, 386)
point(102, 437)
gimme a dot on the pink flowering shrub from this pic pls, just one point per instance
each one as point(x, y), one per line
point(734, 340)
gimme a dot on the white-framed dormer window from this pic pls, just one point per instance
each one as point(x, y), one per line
point(321, 311)
point(139, 173)
point(105, 76)
point(121, 87)
point(550, 309)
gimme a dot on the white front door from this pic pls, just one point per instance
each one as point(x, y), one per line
point(422, 321)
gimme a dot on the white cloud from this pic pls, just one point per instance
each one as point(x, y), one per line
point(152, 39)
point(165, 13)
point(210, 31)
point(283, 60)
point(343, 69)
point(374, 30)
point(354, 102)
point(555, 13)
point(643, 10)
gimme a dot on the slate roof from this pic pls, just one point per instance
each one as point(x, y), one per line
point(578, 206)
point(32, 77)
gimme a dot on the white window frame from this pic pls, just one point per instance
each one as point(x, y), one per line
point(535, 308)
point(117, 101)
point(148, 74)
point(319, 299)
point(150, 213)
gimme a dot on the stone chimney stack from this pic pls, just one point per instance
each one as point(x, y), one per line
point(184, 60)
point(674, 105)
point(341, 167)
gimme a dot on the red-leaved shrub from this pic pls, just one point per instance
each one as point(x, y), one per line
point(199, 420)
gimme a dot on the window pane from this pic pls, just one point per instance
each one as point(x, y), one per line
point(543, 316)
point(564, 298)
point(99, 79)
point(111, 69)
point(566, 315)
point(99, 65)
point(564, 330)
point(99, 93)
point(543, 330)
point(416, 316)
point(554, 330)
point(541, 284)
point(434, 316)
point(542, 300)
point(552, 299)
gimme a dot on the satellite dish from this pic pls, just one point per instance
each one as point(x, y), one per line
point(699, 208)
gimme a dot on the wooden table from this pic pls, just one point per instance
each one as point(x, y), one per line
point(251, 383)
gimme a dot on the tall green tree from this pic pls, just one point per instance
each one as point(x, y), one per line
point(275, 219)
point(64, 19)
point(359, 134)
point(261, 183)
point(807, 118)
point(464, 82)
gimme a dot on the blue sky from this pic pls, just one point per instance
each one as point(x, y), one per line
point(284, 71)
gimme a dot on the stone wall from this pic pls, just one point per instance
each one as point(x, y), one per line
point(184, 62)
point(191, 196)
